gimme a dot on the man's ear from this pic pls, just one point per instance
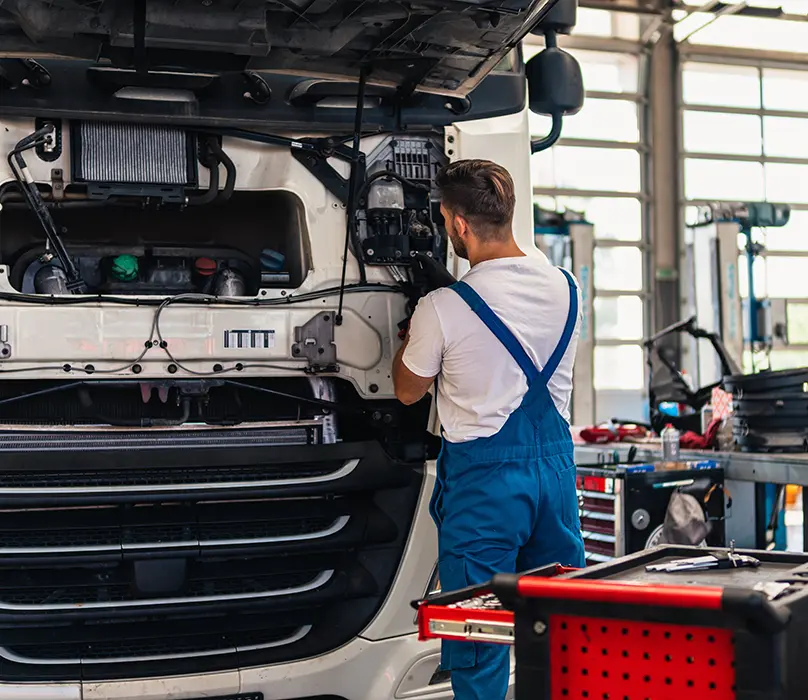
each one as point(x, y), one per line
point(461, 226)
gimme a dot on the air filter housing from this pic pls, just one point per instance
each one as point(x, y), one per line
point(133, 159)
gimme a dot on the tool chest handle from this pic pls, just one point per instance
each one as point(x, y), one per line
point(701, 597)
point(759, 614)
point(451, 597)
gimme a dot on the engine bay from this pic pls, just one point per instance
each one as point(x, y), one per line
point(250, 241)
point(156, 211)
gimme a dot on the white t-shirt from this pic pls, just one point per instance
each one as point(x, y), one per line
point(479, 383)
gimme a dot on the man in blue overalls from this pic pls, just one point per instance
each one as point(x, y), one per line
point(501, 343)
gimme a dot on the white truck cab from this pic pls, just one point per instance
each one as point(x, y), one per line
point(213, 219)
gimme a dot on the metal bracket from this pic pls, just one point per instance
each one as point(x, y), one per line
point(314, 342)
point(57, 183)
point(5, 346)
point(317, 164)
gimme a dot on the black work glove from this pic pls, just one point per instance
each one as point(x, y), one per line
point(404, 327)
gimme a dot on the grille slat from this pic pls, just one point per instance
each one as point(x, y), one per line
point(185, 576)
point(152, 480)
point(152, 650)
point(114, 530)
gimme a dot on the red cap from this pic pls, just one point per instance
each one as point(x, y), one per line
point(205, 266)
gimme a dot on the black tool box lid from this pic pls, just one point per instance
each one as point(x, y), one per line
point(631, 569)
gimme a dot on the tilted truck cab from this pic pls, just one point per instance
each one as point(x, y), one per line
point(214, 219)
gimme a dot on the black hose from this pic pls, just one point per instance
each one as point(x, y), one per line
point(210, 160)
point(539, 145)
point(212, 164)
point(350, 219)
point(230, 168)
point(34, 199)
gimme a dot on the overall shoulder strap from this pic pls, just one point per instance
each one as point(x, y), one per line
point(498, 328)
point(569, 328)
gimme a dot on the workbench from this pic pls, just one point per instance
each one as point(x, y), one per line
point(738, 466)
point(746, 477)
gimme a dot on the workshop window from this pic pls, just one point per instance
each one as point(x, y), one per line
point(788, 359)
point(785, 90)
point(618, 318)
point(787, 277)
point(720, 86)
point(787, 182)
point(785, 136)
point(602, 23)
point(614, 218)
point(713, 132)
point(723, 180)
point(753, 33)
point(756, 150)
point(597, 169)
point(601, 120)
point(792, 236)
point(618, 269)
point(587, 168)
point(619, 367)
point(797, 315)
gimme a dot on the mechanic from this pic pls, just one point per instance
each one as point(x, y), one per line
point(501, 343)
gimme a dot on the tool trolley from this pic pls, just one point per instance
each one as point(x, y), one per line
point(663, 624)
point(622, 506)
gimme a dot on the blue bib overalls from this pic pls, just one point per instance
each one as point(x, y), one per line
point(506, 503)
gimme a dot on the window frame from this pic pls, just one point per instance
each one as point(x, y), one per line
point(641, 146)
point(760, 64)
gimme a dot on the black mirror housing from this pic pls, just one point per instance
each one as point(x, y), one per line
point(555, 83)
point(561, 19)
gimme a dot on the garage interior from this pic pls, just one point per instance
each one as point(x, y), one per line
point(207, 486)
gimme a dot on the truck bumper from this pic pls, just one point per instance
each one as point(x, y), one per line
point(393, 669)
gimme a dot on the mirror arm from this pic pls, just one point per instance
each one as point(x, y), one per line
point(543, 144)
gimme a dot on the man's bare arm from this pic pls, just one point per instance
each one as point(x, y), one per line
point(409, 387)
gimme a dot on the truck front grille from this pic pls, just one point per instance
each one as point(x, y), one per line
point(121, 563)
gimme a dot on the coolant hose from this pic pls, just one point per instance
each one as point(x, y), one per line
point(212, 163)
point(230, 168)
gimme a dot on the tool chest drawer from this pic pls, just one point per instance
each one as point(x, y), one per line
point(622, 507)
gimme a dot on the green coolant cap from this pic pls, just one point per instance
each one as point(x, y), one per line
point(124, 268)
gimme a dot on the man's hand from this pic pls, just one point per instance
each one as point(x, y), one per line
point(410, 388)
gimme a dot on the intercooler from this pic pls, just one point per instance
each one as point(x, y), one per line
point(133, 154)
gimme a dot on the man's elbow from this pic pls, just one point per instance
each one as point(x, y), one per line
point(408, 397)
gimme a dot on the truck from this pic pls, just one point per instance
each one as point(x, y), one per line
point(215, 218)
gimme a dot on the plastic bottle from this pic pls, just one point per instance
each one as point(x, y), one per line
point(670, 444)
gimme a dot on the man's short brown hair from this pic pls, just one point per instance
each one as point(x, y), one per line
point(481, 192)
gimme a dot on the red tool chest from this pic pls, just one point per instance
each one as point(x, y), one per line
point(619, 632)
